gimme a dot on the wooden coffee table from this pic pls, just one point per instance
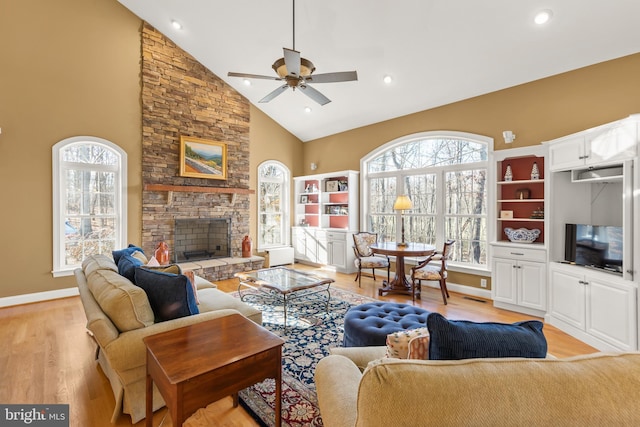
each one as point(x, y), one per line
point(201, 363)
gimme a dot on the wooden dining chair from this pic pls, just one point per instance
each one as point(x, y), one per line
point(434, 272)
point(365, 258)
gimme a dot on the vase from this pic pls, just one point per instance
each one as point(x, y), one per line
point(246, 247)
point(508, 175)
point(162, 253)
point(535, 173)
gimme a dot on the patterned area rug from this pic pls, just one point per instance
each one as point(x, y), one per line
point(310, 332)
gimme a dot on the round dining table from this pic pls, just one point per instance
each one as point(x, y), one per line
point(400, 284)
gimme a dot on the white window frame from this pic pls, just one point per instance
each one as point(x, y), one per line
point(439, 171)
point(58, 179)
point(286, 203)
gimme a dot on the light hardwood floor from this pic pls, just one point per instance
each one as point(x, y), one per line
point(47, 357)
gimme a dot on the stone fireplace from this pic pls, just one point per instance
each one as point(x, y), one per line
point(198, 239)
point(180, 97)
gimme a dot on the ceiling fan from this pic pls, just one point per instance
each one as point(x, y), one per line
point(297, 73)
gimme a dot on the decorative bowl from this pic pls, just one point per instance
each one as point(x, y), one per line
point(522, 235)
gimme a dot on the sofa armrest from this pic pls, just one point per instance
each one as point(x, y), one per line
point(361, 356)
point(337, 381)
point(128, 351)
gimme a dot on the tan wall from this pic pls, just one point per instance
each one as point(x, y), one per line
point(270, 141)
point(60, 77)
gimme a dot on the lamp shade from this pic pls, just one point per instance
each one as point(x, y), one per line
point(402, 203)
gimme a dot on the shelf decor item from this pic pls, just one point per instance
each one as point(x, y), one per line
point(523, 193)
point(506, 214)
point(508, 175)
point(522, 235)
point(538, 214)
point(331, 186)
point(535, 172)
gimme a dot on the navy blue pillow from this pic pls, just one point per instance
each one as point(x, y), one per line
point(170, 295)
point(126, 251)
point(127, 266)
point(461, 339)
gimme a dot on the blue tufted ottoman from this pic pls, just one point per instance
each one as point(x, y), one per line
point(369, 324)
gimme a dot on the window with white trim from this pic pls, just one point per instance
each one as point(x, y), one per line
point(445, 176)
point(89, 200)
point(273, 203)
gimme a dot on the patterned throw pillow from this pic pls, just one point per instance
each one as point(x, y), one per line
point(409, 344)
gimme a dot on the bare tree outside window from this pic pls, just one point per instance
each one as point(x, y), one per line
point(273, 199)
point(89, 192)
point(445, 177)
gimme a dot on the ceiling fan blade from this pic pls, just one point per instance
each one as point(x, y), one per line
point(343, 76)
point(292, 61)
point(314, 94)
point(275, 93)
point(252, 76)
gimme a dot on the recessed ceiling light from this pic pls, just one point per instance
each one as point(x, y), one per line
point(387, 79)
point(543, 17)
point(307, 109)
point(246, 82)
point(176, 24)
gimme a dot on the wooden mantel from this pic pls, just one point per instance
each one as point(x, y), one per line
point(196, 189)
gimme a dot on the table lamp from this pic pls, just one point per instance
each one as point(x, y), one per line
point(401, 204)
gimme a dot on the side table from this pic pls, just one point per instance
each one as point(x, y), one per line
point(399, 284)
point(204, 362)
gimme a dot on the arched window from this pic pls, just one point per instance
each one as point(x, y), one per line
point(445, 176)
point(89, 200)
point(273, 205)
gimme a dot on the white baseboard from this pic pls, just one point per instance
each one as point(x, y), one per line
point(38, 296)
point(467, 290)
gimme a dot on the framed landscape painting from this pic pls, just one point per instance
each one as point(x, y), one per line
point(201, 158)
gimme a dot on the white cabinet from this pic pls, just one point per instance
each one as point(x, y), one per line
point(596, 307)
point(519, 279)
point(601, 145)
point(326, 216)
point(321, 247)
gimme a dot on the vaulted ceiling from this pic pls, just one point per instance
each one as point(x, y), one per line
point(435, 51)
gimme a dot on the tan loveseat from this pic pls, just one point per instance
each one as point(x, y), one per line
point(119, 316)
point(594, 390)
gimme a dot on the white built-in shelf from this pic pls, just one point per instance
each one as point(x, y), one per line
point(522, 219)
point(522, 181)
point(521, 200)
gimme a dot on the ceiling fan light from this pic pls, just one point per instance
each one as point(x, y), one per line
point(306, 68)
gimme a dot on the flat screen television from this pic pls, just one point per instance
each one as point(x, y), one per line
point(596, 246)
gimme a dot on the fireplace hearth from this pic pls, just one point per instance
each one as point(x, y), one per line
point(202, 238)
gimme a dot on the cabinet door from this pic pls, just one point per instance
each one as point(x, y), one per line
point(321, 254)
point(568, 297)
point(299, 245)
point(567, 154)
point(611, 313)
point(532, 285)
point(615, 143)
point(505, 281)
point(337, 253)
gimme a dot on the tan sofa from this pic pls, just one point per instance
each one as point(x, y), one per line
point(593, 390)
point(119, 317)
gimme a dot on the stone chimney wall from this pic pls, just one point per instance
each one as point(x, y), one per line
point(181, 97)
